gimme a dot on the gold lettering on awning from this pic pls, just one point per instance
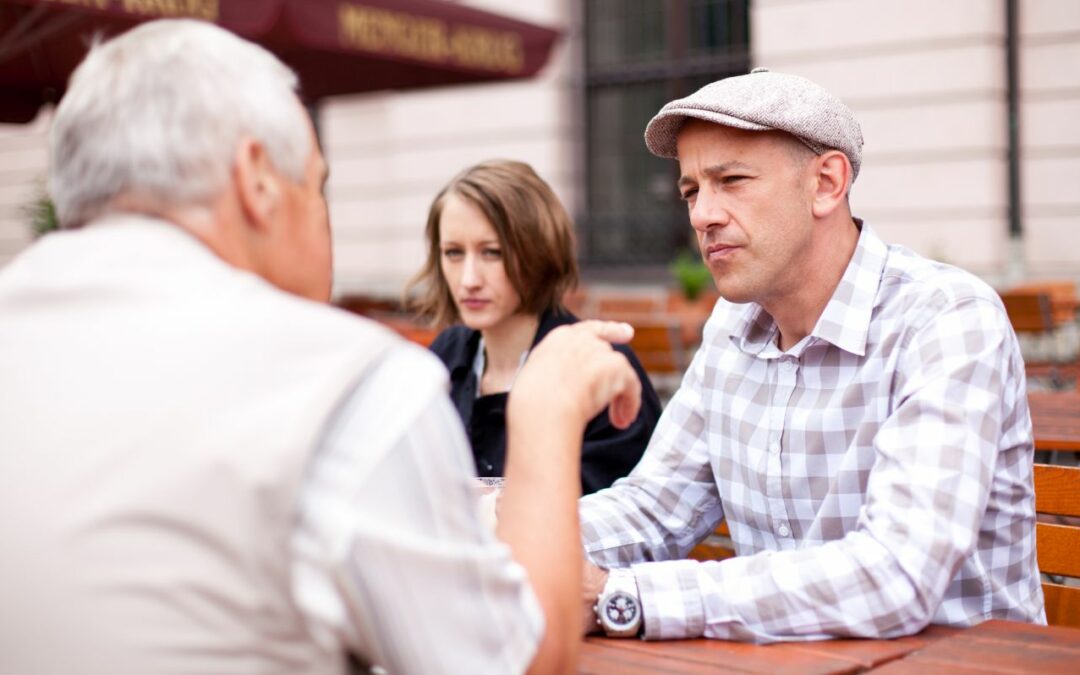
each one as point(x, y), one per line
point(92, 4)
point(197, 9)
point(423, 38)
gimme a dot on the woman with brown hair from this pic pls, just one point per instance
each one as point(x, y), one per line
point(500, 259)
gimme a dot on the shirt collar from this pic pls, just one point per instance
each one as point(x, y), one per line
point(846, 319)
point(845, 322)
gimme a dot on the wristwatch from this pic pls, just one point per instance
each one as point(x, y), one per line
point(618, 608)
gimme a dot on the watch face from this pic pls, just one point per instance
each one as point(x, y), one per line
point(621, 609)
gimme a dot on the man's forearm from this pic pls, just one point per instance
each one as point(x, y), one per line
point(538, 520)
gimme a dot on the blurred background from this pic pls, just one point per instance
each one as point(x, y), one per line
point(970, 110)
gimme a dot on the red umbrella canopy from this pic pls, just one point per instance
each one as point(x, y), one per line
point(336, 46)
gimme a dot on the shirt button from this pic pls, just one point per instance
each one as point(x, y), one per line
point(783, 530)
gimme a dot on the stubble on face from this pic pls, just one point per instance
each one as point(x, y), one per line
point(748, 191)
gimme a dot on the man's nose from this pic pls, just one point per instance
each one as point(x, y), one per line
point(708, 212)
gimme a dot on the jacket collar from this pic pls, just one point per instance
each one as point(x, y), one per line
point(462, 352)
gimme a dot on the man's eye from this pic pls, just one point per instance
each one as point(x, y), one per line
point(689, 194)
point(728, 180)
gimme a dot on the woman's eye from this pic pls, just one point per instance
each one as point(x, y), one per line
point(452, 253)
point(492, 253)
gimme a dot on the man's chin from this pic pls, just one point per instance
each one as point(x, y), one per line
point(732, 292)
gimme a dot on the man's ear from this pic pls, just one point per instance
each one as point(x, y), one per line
point(833, 178)
point(258, 185)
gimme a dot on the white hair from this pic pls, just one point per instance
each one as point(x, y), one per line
point(158, 113)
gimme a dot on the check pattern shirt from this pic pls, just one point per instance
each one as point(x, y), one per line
point(876, 477)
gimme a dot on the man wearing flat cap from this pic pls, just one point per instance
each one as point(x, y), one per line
point(856, 413)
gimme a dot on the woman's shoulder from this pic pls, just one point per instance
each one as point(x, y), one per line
point(455, 344)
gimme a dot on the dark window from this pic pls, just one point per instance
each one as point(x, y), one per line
point(640, 54)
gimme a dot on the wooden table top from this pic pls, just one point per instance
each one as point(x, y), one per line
point(1055, 418)
point(993, 647)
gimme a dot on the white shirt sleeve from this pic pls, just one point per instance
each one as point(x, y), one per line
point(390, 557)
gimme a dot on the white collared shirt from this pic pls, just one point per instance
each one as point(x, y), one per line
point(391, 558)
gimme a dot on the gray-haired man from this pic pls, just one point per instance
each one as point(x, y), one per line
point(202, 470)
point(856, 413)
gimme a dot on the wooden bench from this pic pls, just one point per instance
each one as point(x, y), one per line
point(717, 546)
point(1057, 494)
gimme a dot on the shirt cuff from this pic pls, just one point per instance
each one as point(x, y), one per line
point(671, 602)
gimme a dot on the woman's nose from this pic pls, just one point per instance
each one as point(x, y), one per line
point(470, 272)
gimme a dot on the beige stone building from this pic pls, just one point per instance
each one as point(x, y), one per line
point(929, 79)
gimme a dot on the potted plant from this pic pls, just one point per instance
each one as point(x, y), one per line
point(693, 301)
point(692, 275)
point(42, 214)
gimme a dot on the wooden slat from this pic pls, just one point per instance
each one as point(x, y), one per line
point(657, 345)
point(619, 306)
point(1062, 605)
point(1059, 549)
point(1029, 311)
point(1057, 490)
point(716, 546)
point(709, 550)
point(1062, 293)
point(995, 647)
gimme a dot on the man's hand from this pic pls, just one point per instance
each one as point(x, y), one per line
point(592, 582)
point(575, 372)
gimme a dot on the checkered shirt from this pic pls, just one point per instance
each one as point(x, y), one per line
point(876, 477)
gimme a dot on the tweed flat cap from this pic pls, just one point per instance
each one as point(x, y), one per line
point(763, 101)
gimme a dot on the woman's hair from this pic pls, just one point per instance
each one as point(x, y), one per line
point(534, 231)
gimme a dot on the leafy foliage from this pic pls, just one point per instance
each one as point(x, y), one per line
point(42, 214)
point(692, 274)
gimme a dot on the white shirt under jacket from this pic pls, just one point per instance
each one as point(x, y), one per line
point(390, 557)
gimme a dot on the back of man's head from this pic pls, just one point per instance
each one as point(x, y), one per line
point(154, 116)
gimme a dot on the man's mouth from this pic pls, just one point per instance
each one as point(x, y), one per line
point(717, 252)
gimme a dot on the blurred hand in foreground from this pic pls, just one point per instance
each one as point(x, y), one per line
point(575, 372)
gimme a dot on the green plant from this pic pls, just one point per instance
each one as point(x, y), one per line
point(691, 273)
point(42, 214)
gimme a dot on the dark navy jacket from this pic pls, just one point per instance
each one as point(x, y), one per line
point(607, 453)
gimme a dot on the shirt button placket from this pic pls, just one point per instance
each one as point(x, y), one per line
point(785, 381)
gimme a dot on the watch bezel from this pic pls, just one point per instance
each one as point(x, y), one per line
point(620, 584)
point(615, 625)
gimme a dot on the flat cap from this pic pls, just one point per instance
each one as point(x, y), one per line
point(763, 101)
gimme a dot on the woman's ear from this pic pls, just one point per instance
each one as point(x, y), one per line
point(257, 184)
point(832, 181)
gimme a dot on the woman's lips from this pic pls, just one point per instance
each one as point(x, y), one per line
point(474, 303)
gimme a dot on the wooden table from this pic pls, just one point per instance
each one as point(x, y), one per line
point(1055, 418)
point(993, 647)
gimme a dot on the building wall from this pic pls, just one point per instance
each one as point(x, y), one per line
point(1050, 136)
point(23, 161)
point(927, 81)
point(926, 78)
point(389, 154)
